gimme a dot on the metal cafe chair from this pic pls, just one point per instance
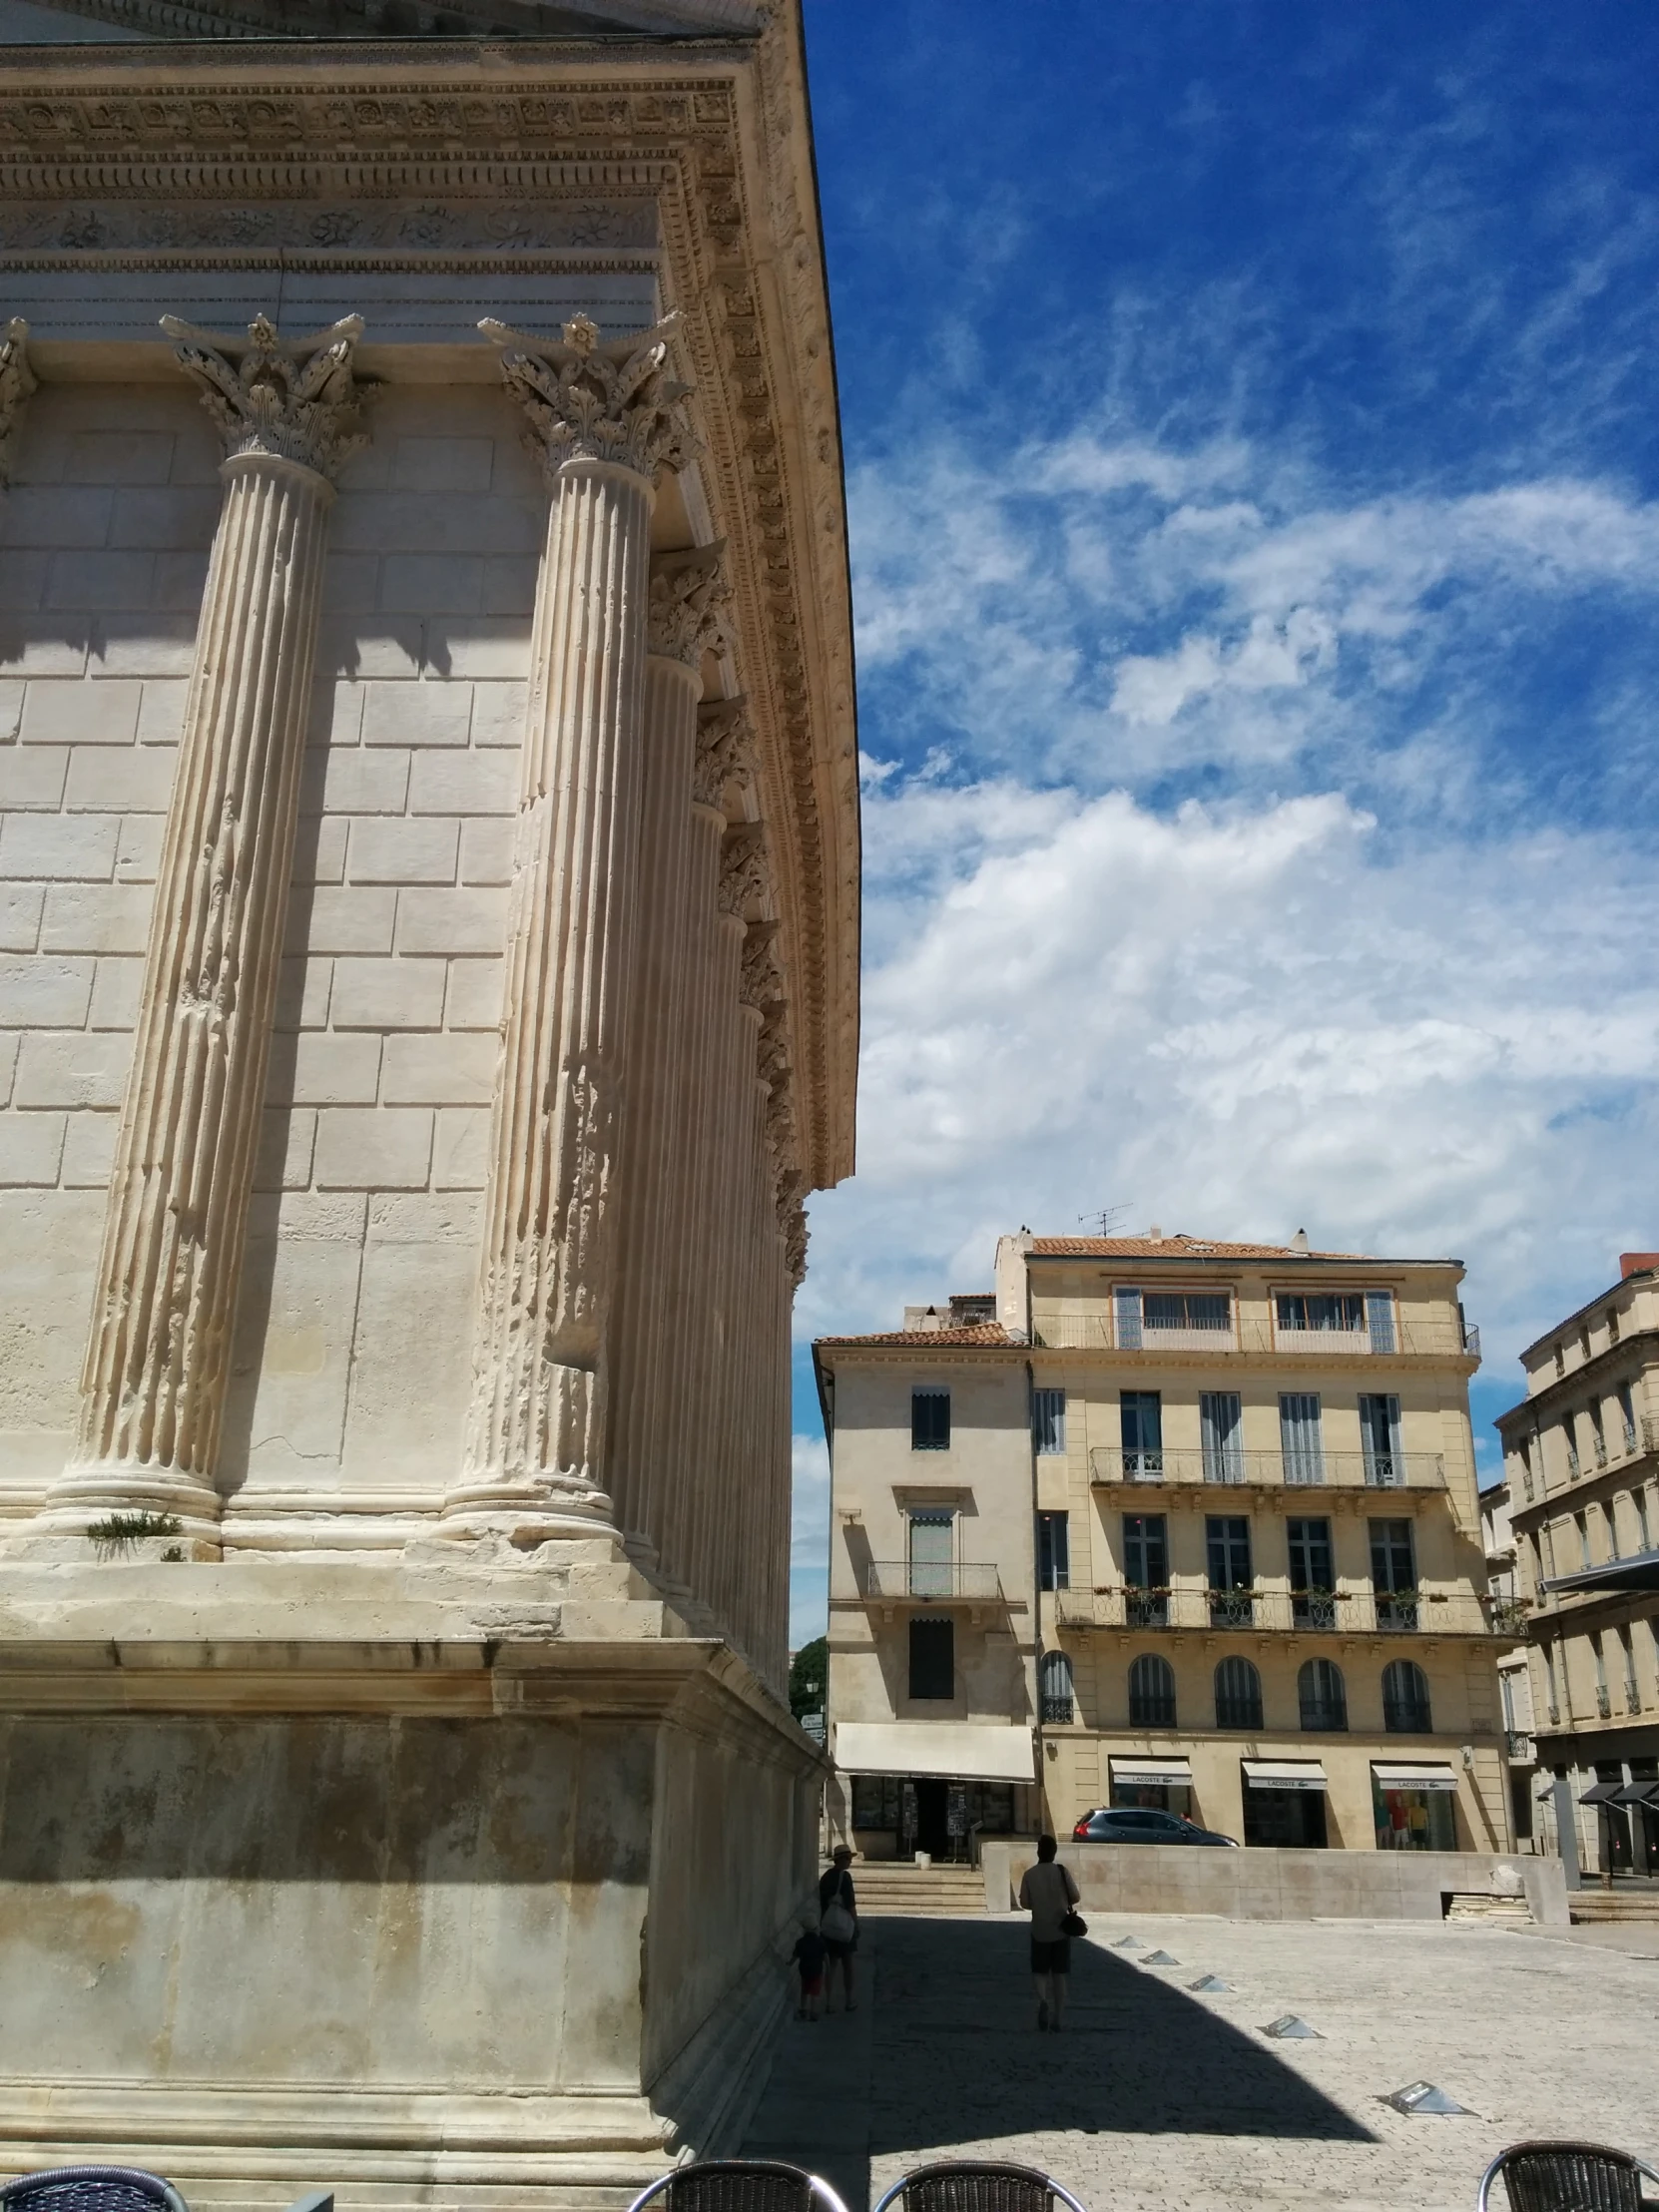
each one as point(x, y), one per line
point(1568, 2177)
point(739, 2185)
point(90, 2189)
point(957, 2185)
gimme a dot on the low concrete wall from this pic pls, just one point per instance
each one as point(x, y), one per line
point(1248, 1884)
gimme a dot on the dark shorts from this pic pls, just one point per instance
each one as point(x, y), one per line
point(812, 1985)
point(840, 1950)
point(1053, 1957)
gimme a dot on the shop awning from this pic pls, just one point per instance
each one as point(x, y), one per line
point(1145, 1773)
point(1638, 1792)
point(1285, 1774)
point(1601, 1793)
point(1412, 1774)
point(960, 1751)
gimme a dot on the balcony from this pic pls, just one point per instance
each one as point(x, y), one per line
point(1330, 1470)
point(927, 1582)
point(1098, 1331)
point(1275, 1612)
point(1517, 1744)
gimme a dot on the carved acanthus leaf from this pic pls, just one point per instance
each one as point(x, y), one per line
point(762, 981)
point(745, 877)
point(793, 1222)
point(17, 382)
point(690, 596)
point(296, 399)
point(724, 750)
point(598, 399)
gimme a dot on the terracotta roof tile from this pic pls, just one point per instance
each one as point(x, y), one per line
point(1177, 1247)
point(980, 1333)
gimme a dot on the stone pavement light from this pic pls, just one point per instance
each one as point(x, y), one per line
point(1158, 2100)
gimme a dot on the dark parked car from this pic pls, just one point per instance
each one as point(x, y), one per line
point(1140, 1824)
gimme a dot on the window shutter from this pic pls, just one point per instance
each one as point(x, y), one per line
point(1129, 1320)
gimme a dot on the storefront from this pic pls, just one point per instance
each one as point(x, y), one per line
point(1165, 1784)
point(1639, 1801)
point(1284, 1804)
point(930, 1785)
point(1412, 1805)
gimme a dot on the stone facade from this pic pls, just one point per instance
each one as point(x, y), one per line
point(1579, 1458)
point(428, 916)
point(1210, 1533)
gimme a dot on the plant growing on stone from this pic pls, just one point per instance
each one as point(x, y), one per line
point(119, 1533)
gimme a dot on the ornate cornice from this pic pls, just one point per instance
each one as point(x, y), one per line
point(16, 383)
point(591, 398)
point(294, 399)
point(689, 599)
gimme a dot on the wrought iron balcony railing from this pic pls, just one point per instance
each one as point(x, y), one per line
point(1332, 1470)
point(1276, 1611)
point(924, 1581)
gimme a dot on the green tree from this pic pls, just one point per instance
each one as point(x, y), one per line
point(810, 1678)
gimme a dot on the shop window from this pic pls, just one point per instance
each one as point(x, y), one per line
point(932, 1656)
point(1322, 1696)
point(1151, 1691)
point(1405, 1709)
point(1049, 1419)
point(1412, 1819)
point(1054, 1552)
point(1284, 1820)
point(930, 1420)
point(1055, 1683)
point(1238, 1695)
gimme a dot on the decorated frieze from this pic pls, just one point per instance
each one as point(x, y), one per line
point(419, 225)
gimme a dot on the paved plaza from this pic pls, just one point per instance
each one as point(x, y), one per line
point(1157, 2097)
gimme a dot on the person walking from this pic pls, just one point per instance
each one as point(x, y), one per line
point(838, 1908)
point(1049, 1893)
point(809, 1957)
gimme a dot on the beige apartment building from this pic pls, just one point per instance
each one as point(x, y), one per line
point(1581, 1460)
point(1167, 1523)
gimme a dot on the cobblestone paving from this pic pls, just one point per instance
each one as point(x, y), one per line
point(1156, 2097)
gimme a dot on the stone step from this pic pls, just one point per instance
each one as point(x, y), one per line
point(932, 1892)
point(1616, 1905)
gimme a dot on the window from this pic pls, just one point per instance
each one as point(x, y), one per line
point(1299, 1436)
point(932, 1656)
point(1405, 1699)
point(1570, 1429)
point(1560, 1360)
point(1584, 1340)
point(1055, 1684)
point(1393, 1574)
point(1128, 1307)
point(1049, 1419)
point(1380, 1319)
point(1597, 1439)
point(1151, 1692)
point(1632, 1697)
point(1054, 1552)
point(1627, 1414)
point(1604, 1704)
point(1549, 1547)
point(1238, 1695)
point(1313, 1580)
point(930, 1420)
point(1555, 1703)
point(1208, 1310)
point(1219, 1418)
point(1145, 1570)
point(1581, 1523)
point(1638, 1498)
point(1609, 1517)
point(1525, 1446)
point(1141, 1413)
point(1322, 1696)
point(932, 1540)
point(1379, 1442)
point(1343, 1311)
point(1227, 1550)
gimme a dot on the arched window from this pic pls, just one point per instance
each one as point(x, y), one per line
point(1151, 1692)
point(1405, 1699)
point(1238, 1695)
point(1321, 1693)
point(1055, 1681)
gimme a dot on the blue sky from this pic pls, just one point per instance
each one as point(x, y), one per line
point(1253, 457)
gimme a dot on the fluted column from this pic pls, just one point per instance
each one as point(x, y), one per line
point(158, 1357)
point(608, 418)
point(688, 598)
point(17, 382)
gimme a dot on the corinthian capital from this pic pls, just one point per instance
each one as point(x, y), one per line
point(293, 399)
point(689, 599)
point(744, 876)
point(598, 399)
point(723, 749)
point(762, 981)
point(16, 383)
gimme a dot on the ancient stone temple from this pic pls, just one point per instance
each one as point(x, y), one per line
point(428, 939)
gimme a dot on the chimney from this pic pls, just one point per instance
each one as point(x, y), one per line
point(1299, 1243)
point(1636, 1263)
point(1155, 1235)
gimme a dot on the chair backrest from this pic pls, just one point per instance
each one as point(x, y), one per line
point(962, 2185)
point(90, 2189)
point(1567, 2177)
point(737, 2185)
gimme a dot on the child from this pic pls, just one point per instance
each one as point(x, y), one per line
point(809, 1956)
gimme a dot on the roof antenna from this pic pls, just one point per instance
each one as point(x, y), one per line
point(1107, 1217)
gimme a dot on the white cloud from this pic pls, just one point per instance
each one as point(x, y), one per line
point(810, 1547)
